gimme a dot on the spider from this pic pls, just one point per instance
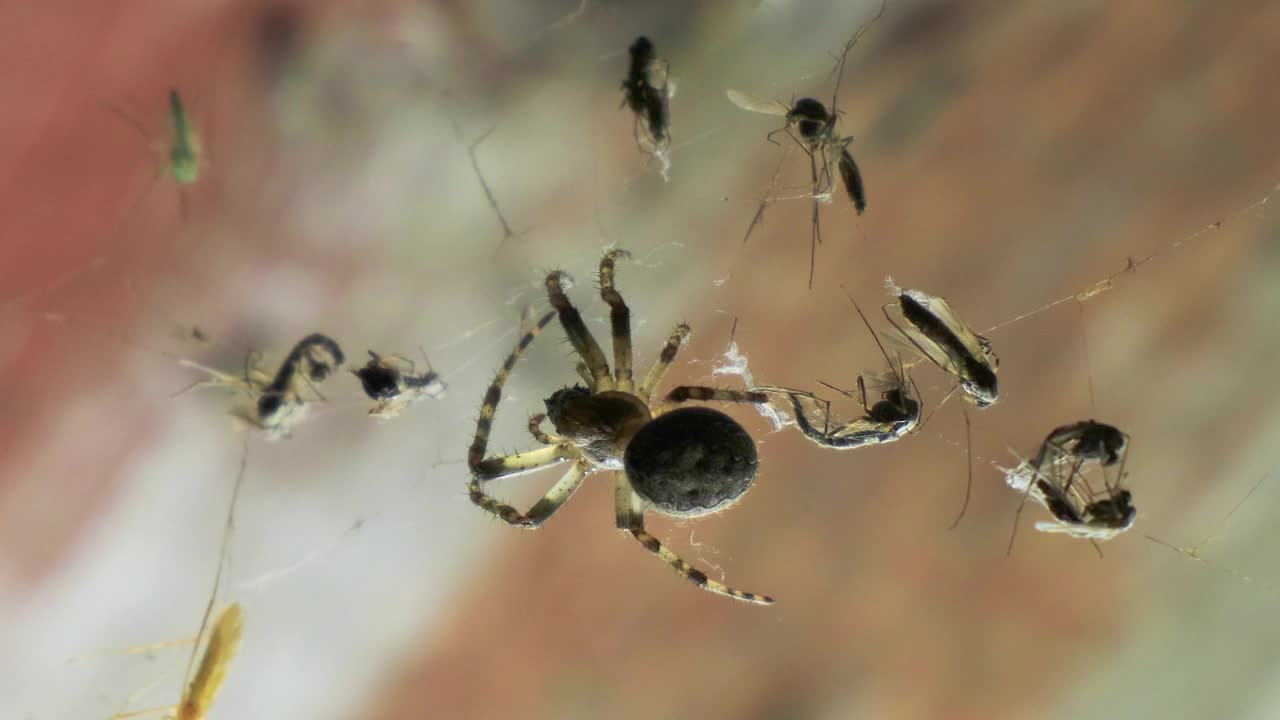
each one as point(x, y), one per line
point(681, 462)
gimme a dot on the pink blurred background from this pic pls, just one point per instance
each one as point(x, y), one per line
point(1013, 155)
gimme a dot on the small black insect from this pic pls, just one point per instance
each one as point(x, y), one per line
point(277, 400)
point(1088, 439)
point(315, 356)
point(647, 92)
point(393, 384)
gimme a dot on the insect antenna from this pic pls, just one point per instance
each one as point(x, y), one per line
point(223, 557)
point(968, 455)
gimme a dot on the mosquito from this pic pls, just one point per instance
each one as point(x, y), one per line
point(826, 147)
point(1056, 478)
point(392, 383)
point(894, 416)
point(935, 330)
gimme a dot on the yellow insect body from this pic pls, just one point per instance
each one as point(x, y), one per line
point(224, 642)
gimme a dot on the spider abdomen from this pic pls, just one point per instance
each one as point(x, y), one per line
point(691, 462)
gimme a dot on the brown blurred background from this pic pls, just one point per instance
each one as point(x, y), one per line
point(1013, 155)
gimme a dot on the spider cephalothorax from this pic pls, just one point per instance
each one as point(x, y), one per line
point(685, 462)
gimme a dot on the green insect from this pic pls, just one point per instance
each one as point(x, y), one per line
point(182, 150)
point(185, 152)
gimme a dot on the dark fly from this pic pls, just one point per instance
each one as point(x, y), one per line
point(312, 360)
point(647, 92)
point(393, 388)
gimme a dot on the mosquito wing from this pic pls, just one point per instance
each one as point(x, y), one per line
point(976, 346)
point(750, 103)
point(905, 336)
point(1080, 530)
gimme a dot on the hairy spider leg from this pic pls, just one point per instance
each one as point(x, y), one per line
point(665, 358)
point(701, 393)
point(579, 336)
point(484, 469)
point(558, 495)
point(619, 320)
point(629, 508)
point(535, 429)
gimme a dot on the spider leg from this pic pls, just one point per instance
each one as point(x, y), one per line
point(484, 424)
point(583, 372)
point(701, 393)
point(619, 320)
point(500, 466)
point(535, 429)
point(496, 467)
point(665, 358)
point(631, 518)
point(586, 345)
point(558, 495)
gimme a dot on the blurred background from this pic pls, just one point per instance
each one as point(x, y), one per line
point(1013, 155)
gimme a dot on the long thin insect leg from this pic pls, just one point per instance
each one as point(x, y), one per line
point(968, 488)
point(222, 552)
point(767, 199)
point(816, 236)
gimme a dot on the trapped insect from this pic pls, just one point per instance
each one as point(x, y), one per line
point(1057, 478)
point(682, 462)
point(392, 384)
point(894, 416)
point(647, 91)
point(278, 401)
point(202, 687)
point(816, 125)
point(182, 150)
point(934, 329)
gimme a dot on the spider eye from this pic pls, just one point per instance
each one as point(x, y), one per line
point(691, 462)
